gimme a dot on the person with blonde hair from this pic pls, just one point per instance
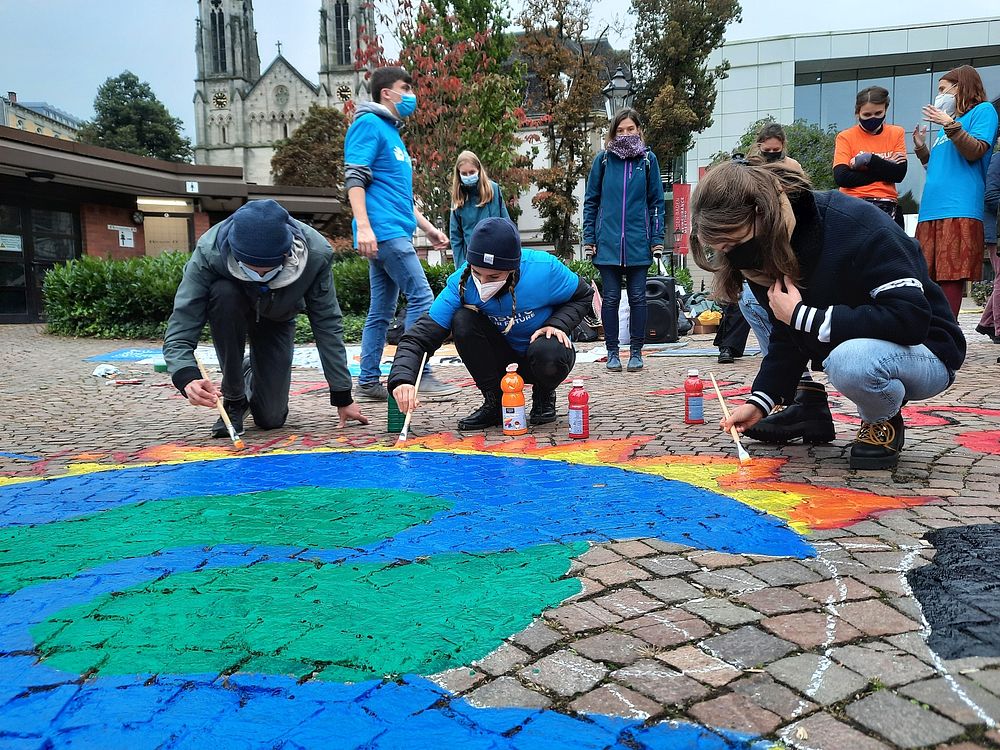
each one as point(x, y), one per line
point(844, 285)
point(474, 197)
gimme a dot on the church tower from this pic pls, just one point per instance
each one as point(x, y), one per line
point(343, 28)
point(228, 67)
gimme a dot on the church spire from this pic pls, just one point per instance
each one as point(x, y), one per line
point(226, 44)
point(342, 25)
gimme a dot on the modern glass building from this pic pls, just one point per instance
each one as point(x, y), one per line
point(815, 77)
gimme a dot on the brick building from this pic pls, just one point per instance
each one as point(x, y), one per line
point(60, 200)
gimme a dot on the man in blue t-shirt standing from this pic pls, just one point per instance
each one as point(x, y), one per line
point(379, 182)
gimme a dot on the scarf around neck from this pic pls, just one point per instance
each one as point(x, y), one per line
point(627, 146)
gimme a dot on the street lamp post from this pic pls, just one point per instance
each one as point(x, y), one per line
point(678, 234)
point(618, 94)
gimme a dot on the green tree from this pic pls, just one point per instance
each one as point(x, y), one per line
point(675, 88)
point(130, 118)
point(568, 85)
point(806, 142)
point(464, 100)
point(314, 157)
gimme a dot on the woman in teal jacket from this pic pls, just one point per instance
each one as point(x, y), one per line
point(474, 197)
point(622, 226)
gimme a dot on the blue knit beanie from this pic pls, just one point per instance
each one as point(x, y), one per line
point(260, 234)
point(495, 244)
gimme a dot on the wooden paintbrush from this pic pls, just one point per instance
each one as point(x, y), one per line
point(409, 414)
point(741, 451)
point(237, 440)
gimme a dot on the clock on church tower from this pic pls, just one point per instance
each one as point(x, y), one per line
point(220, 99)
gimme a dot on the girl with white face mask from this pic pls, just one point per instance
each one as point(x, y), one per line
point(950, 224)
point(520, 306)
point(474, 197)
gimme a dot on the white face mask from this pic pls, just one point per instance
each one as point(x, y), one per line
point(488, 289)
point(259, 278)
point(946, 103)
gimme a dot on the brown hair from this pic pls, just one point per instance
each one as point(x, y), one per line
point(871, 95)
point(731, 196)
point(970, 88)
point(623, 114)
point(485, 187)
point(771, 130)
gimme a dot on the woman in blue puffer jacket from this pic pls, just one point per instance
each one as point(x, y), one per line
point(474, 197)
point(622, 227)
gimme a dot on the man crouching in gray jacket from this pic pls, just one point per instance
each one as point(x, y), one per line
point(248, 277)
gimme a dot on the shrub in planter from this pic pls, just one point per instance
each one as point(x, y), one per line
point(113, 298)
point(981, 291)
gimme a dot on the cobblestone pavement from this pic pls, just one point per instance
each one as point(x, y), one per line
point(166, 593)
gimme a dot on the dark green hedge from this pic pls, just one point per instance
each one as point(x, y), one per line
point(133, 298)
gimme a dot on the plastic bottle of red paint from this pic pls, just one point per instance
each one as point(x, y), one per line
point(579, 411)
point(694, 401)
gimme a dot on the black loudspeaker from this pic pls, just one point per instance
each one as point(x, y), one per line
point(661, 310)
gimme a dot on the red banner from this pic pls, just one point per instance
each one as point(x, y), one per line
point(682, 216)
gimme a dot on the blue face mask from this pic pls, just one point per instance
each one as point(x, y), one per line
point(259, 278)
point(470, 180)
point(407, 105)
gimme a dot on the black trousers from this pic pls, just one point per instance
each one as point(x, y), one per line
point(232, 318)
point(486, 354)
point(733, 330)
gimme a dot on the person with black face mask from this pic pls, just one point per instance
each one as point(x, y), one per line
point(870, 157)
point(844, 286)
point(771, 146)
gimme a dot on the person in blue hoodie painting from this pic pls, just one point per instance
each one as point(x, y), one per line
point(379, 181)
point(622, 227)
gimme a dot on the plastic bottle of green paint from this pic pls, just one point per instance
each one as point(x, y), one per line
point(396, 417)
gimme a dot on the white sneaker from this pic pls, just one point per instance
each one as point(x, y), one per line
point(431, 386)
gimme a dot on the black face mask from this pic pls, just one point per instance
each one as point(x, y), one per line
point(771, 156)
point(871, 124)
point(746, 256)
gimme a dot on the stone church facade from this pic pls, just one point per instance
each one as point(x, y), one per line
point(240, 112)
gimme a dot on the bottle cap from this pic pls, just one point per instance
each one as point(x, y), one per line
point(578, 383)
point(693, 372)
point(512, 367)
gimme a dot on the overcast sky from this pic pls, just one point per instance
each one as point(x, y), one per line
point(60, 51)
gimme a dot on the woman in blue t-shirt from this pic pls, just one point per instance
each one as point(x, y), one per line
point(474, 197)
point(950, 223)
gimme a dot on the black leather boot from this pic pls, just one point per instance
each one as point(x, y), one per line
point(878, 444)
point(487, 415)
point(808, 419)
point(543, 406)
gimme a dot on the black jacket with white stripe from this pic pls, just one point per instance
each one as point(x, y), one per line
point(862, 277)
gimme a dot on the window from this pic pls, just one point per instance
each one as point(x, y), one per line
point(218, 41)
point(837, 103)
point(342, 32)
point(20, 124)
point(807, 103)
point(54, 234)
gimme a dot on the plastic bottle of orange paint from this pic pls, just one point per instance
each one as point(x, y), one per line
point(514, 419)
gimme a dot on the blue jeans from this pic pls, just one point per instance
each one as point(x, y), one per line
point(396, 269)
point(756, 315)
point(877, 375)
point(611, 298)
